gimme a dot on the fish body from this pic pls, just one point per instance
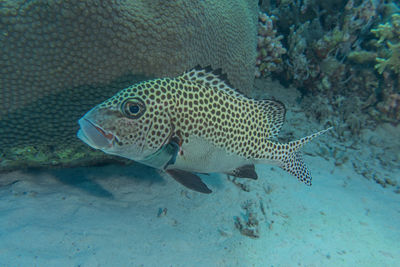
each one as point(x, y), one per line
point(194, 123)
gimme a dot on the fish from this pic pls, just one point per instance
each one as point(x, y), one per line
point(195, 123)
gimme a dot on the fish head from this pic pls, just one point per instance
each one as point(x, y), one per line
point(129, 125)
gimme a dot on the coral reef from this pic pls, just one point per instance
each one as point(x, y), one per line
point(60, 58)
point(344, 57)
point(332, 52)
point(299, 68)
point(327, 49)
point(389, 44)
point(393, 60)
point(72, 43)
point(390, 106)
point(388, 64)
point(269, 47)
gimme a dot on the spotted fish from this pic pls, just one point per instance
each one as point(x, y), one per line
point(194, 123)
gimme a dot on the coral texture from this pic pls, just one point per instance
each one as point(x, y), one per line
point(59, 57)
point(389, 42)
point(391, 107)
point(348, 74)
point(269, 46)
point(388, 64)
point(332, 52)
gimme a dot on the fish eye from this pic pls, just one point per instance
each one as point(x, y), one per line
point(133, 108)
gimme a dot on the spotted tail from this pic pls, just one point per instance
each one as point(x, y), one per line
point(293, 162)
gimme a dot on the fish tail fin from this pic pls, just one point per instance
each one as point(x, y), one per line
point(293, 163)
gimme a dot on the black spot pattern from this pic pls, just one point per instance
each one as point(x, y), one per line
point(226, 117)
point(294, 165)
point(201, 103)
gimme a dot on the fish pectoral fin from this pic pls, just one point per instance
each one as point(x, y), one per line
point(189, 180)
point(245, 171)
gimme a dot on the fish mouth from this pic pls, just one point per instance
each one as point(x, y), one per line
point(94, 135)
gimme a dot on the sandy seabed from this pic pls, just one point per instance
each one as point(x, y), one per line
point(135, 216)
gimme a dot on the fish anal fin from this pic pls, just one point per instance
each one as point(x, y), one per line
point(246, 171)
point(189, 180)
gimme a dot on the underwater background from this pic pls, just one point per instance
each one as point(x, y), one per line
point(332, 63)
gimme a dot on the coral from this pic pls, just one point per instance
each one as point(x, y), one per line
point(66, 155)
point(390, 107)
point(317, 30)
point(360, 18)
point(346, 35)
point(362, 56)
point(389, 43)
point(249, 224)
point(393, 60)
point(331, 53)
point(389, 30)
point(71, 43)
point(388, 65)
point(299, 66)
point(269, 46)
point(60, 58)
point(347, 73)
point(354, 124)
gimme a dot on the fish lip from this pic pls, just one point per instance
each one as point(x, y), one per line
point(110, 137)
point(107, 134)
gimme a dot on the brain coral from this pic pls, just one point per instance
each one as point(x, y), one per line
point(59, 57)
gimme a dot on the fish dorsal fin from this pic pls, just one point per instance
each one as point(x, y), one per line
point(210, 78)
point(274, 114)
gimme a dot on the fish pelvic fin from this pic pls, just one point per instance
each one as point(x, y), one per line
point(293, 162)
